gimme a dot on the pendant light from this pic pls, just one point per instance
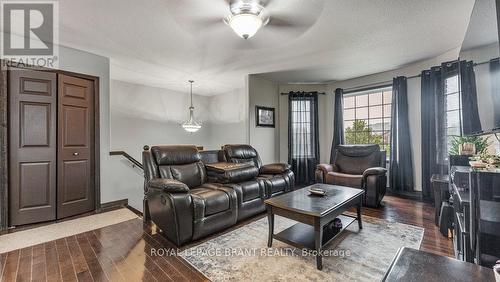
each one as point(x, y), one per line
point(191, 125)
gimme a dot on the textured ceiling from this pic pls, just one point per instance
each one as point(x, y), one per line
point(164, 43)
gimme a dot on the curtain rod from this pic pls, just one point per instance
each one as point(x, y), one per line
point(320, 93)
point(376, 85)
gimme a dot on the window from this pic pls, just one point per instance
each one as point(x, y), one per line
point(301, 128)
point(453, 108)
point(367, 118)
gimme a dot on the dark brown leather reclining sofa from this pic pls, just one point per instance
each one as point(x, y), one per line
point(191, 194)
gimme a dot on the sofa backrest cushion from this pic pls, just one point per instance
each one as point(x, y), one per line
point(242, 153)
point(355, 159)
point(180, 162)
point(175, 154)
point(212, 156)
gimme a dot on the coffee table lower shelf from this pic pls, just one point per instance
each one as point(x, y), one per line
point(302, 235)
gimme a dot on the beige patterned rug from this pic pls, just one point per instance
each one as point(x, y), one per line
point(54, 231)
point(357, 255)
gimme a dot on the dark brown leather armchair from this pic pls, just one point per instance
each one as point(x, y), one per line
point(358, 166)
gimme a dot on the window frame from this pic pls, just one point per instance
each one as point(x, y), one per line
point(384, 116)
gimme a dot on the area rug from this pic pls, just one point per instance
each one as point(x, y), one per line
point(38, 235)
point(357, 255)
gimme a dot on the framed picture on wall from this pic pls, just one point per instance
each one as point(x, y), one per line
point(264, 116)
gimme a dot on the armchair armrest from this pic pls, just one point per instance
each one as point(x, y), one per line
point(374, 184)
point(322, 171)
point(374, 171)
point(325, 168)
point(274, 168)
point(167, 185)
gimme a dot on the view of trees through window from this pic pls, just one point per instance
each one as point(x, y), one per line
point(367, 118)
point(453, 107)
point(301, 128)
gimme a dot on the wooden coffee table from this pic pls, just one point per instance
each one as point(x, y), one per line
point(313, 213)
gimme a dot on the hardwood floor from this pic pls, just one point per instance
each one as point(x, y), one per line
point(122, 252)
point(418, 214)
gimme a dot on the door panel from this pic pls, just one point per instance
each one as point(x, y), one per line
point(35, 124)
point(75, 181)
point(77, 130)
point(76, 146)
point(35, 86)
point(34, 183)
point(33, 147)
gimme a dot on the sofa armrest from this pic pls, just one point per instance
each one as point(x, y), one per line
point(167, 185)
point(374, 171)
point(275, 168)
point(172, 212)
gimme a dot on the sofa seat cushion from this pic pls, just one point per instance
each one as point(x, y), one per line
point(342, 179)
point(215, 201)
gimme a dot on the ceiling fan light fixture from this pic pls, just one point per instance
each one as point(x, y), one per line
point(245, 25)
point(246, 18)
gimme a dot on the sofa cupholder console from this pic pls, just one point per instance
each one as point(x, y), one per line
point(225, 172)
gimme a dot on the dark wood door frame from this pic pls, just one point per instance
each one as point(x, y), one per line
point(4, 144)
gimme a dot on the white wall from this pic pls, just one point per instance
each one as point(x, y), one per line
point(262, 92)
point(324, 104)
point(413, 102)
point(143, 115)
point(229, 118)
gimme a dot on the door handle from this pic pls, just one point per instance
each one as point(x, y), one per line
point(75, 154)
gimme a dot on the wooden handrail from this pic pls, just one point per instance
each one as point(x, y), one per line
point(128, 157)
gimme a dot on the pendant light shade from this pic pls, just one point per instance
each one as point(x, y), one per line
point(191, 125)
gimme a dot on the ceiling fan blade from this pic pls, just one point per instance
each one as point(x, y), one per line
point(285, 22)
point(265, 3)
point(207, 22)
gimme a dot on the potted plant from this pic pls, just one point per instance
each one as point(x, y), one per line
point(481, 144)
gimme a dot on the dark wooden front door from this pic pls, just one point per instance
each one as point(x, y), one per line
point(75, 158)
point(33, 145)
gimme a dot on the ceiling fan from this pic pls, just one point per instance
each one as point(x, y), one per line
point(266, 22)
